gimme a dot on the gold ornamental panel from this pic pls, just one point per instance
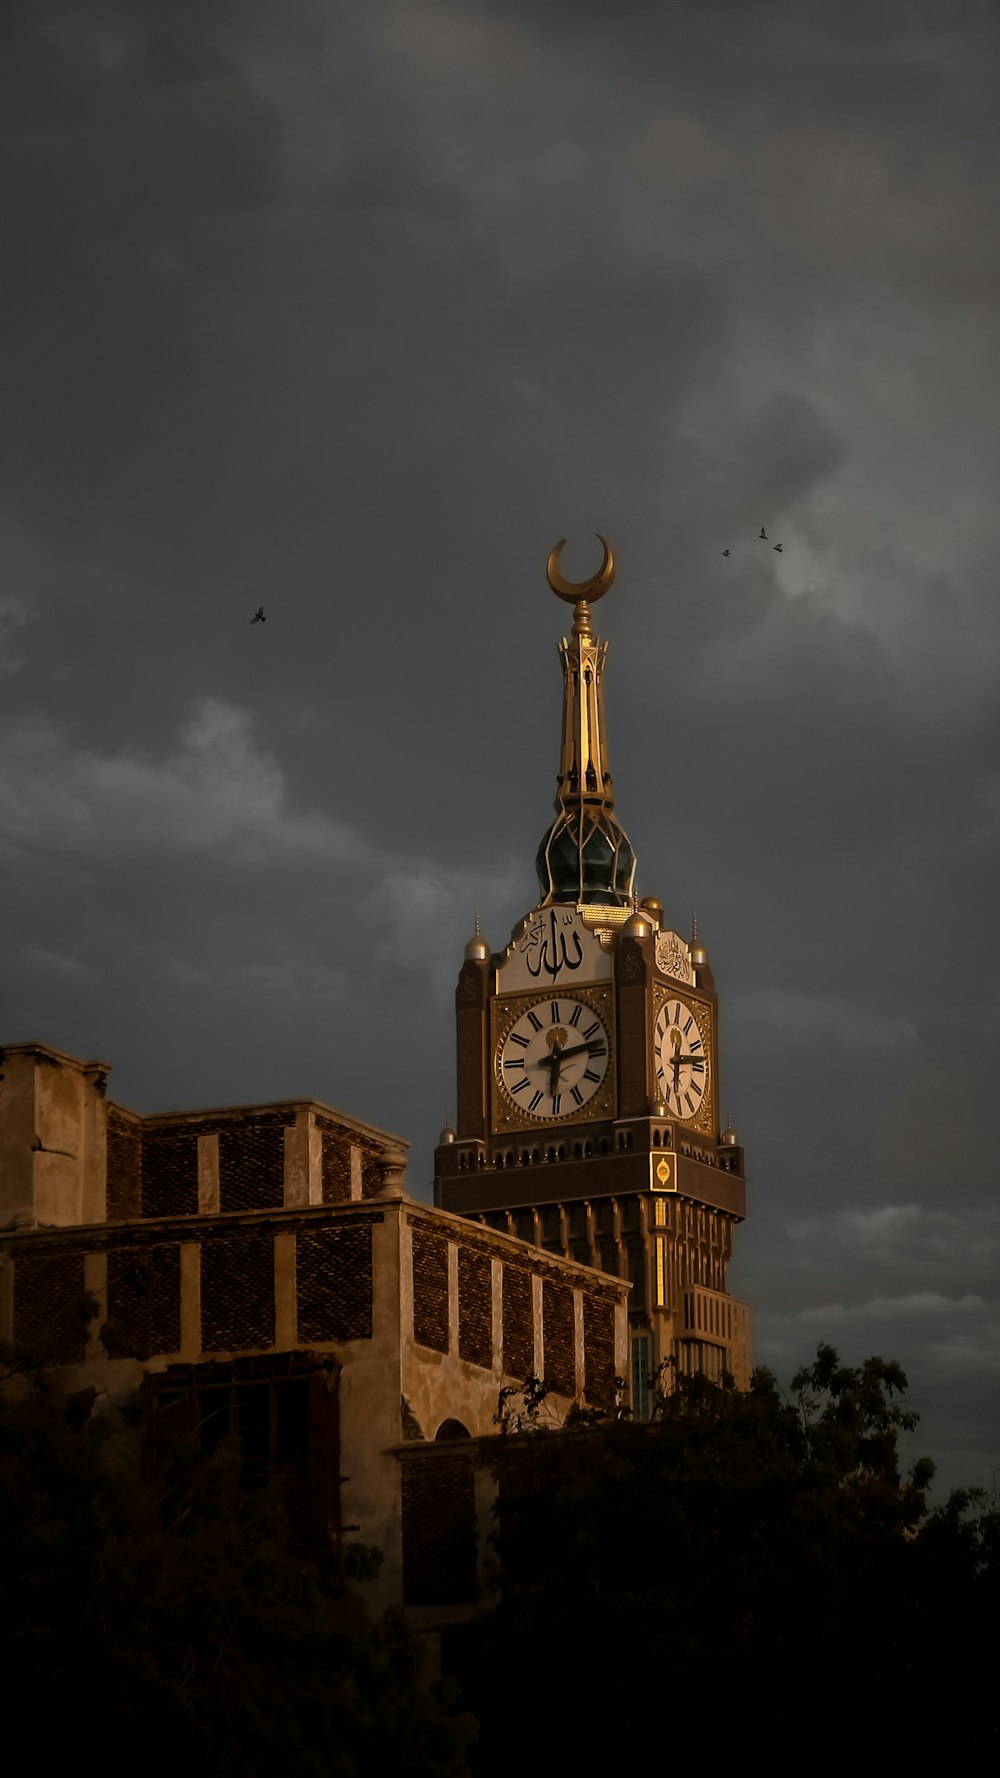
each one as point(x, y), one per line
point(706, 1117)
point(504, 1014)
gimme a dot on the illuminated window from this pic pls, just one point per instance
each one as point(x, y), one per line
point(640, 1377)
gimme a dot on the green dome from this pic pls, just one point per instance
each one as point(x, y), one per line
point(585, 856)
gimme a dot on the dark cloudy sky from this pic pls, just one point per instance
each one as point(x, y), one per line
point(352, 310)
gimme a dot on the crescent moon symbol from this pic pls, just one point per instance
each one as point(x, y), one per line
point(574, 590)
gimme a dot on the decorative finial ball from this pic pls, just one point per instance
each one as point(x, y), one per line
point(659, 1108)
point(637, 926)
point(654, 908)
point(477, 950)
point(729, 1136)
point(392, 1167)
point(699, 954)
point(447, 1135)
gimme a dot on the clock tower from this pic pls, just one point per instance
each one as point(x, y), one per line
point(588, 1067)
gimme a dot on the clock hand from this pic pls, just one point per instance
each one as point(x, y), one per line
point(578, 1050)
point(554, 1060)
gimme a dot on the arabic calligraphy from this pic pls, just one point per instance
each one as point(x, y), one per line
point(544, 947)
point(673, 957)
point(553, 945)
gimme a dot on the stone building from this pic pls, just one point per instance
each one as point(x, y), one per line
point(260, 1271)
point(589, 1110)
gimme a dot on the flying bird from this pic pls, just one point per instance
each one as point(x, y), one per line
point(725, 552)
point(776, 546)
point(258, 616)
point(763, 533)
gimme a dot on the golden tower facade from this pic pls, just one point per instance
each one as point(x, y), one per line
point(588, 1067)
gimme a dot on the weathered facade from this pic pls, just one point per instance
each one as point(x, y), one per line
point(260, 1271)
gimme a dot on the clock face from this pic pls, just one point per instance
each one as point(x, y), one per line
point(554, 1059)
point(681, 1059)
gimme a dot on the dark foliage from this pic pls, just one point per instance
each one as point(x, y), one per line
point(747, 1578)
point(192, 1639)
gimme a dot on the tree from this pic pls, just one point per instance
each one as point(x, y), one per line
point(748, 1575)
point(205, 1643)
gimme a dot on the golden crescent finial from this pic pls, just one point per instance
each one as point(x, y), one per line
point(575, 590)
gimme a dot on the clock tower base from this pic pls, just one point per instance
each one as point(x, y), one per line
point(672, 1238)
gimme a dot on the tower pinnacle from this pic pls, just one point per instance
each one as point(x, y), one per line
point(585, 856)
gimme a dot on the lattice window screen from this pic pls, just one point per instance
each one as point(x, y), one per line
point(237, 1293)
point(439, 1531)
point(336, 1166)
point(124, 1170)
point(333, 1268)
point(599, 1351)
point(371, 1173)
point(518, 1325)
point(144, 1301)
point(252, 1163)
point(430, 1290)
point(170, 1172)
point(48, 1299)
point(558, 1339)
point(475, 1307)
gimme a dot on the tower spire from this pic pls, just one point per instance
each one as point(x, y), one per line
point(585, 856)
